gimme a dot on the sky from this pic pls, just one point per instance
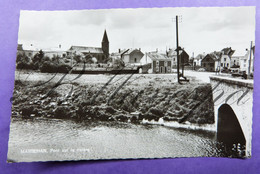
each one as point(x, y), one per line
point(204, 29)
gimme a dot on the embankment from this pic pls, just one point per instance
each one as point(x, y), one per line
point(98, 102)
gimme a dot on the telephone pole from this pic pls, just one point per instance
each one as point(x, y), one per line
point(178, 48)
point(250, 54)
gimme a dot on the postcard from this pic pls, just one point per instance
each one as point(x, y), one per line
point(133, 83)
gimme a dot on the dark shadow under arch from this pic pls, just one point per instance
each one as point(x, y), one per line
point(229, 131)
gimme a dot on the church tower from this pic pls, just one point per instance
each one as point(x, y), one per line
point(105, 45)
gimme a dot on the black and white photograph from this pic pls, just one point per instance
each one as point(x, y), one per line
point(133, 84)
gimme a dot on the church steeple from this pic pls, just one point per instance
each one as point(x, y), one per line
point(105, 39)
point(105, 45)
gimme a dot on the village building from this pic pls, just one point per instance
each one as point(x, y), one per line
point(246, 62)
point(210, 62)
point(130, 56)
point(183, 57)
point(225, 58)
point(197, 59)
point(100, 53)
point(28, 50)
point(160, 63)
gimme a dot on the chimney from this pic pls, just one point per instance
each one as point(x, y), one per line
point(156, 50)
point(60, 46)
point(119, 50)
point(31, 45)
point(139, 49)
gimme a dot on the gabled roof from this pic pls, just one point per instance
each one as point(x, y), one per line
point(172, 52)
point(213, 55)
point(84, 49)
point(200, 56)
point(129, 51)
point(158, 56)
point(228, 51)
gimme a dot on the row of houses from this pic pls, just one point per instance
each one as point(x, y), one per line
point(226, 60)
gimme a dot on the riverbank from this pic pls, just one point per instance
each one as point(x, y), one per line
point(122, 98)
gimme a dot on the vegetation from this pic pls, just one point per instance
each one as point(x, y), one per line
point(42, 63)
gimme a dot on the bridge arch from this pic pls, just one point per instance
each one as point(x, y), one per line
point(229, 130)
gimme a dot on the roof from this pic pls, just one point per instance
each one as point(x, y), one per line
point(200, 56)
point(158, 56)
point(84, 49)
point(30, 48)
point(213, 55)
point(228, 51)
point(172, 52)
point(129, 51)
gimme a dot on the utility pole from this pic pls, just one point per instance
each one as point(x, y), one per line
point(178, 48)
point(249, 66)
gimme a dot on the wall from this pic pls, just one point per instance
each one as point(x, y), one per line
point(238, 94)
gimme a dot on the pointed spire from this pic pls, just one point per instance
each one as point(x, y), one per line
point(105, 39)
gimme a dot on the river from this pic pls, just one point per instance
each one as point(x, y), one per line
point(42, 139)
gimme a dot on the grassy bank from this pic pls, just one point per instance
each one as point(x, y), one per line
point(147, 97)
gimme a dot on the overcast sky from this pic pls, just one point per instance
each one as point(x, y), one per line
point(201, 30)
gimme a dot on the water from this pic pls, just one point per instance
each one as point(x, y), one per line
point(55, 139)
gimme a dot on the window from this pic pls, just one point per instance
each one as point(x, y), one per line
point(135, 60)
point(234, 61)
point(204, 64)
point(244, 60)
point(157, 62)
point(225, 59)
point(165, 63)
point(173, 59)
point(221, 64)
point(227, 64)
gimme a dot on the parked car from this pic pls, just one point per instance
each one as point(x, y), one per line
point(201, 69)
point(225, 70)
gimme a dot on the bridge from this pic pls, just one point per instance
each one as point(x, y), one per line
point(233, 102)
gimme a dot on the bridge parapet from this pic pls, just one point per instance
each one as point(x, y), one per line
point(238, 94)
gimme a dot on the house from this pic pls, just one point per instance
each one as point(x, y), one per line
point(210, 62)
point(198, 58)
point(100, 53)
point(247, 63)
point(28, 50)
point(160, 63)
point(131, 56)
point(54, 51)
point(183, 57)
point(225, 57)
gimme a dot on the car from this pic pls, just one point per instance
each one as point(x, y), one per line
point(201, 69)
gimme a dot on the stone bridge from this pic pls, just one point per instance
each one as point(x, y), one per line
point(233, 102)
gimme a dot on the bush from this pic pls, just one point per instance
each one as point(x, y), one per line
point(49, 67)
point(23, 62)
point(62, 112)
